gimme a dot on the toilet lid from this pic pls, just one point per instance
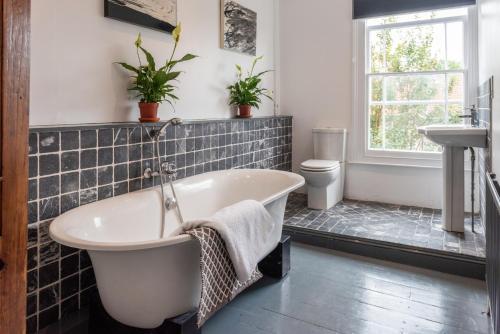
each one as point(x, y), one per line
point(320, 165)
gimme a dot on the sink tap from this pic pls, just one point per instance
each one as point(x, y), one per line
point(473, 116)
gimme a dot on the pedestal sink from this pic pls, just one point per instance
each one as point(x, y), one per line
point(455, 139)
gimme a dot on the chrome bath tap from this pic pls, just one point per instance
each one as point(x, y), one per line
point(165, 169)
point(156, 133)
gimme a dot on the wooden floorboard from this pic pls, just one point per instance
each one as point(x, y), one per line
point(334, 292)
point(330, 292)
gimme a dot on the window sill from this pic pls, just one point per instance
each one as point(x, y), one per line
point(394, 164)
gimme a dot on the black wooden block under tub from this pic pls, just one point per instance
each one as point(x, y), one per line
point(277, 264)
point(100, 322)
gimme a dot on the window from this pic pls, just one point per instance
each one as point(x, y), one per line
point(416, 72)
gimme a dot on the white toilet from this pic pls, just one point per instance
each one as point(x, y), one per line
point(326, 172)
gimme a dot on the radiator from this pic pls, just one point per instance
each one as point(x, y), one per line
point(492, 224)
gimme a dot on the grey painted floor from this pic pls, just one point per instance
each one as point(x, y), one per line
point(333, 292)
point(411, 226)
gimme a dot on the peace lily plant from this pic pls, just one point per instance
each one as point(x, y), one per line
point(247, 91)
point(155, 85)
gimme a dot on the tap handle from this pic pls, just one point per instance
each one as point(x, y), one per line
point(169, 168)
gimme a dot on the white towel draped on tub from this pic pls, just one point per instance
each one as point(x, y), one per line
point(246, 230)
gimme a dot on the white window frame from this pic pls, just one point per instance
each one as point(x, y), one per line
point(360, 152)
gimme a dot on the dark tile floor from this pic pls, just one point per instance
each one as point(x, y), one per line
point(411, 226)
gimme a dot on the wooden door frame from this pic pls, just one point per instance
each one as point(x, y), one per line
point(14, 92)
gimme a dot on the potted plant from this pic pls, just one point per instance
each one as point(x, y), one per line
point(154, 85)
point(247, 91)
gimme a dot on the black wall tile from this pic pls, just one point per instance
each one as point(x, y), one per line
point(88, 196)
point(105, 175)
point(69, 202)
point(32, 190)
point(48, 317)
point(105, 156)
point(49, 164)
point(70, 161)
point(48, 274)
point(48, 142)
point(31, 306)
point(120, 154)
point(70, 286)
point(48, 186)
point(70, 140)
point(104, 192)
point(88, 159)
point(69, 266)
point(48, 297)
point(70, 182)
point(49, 253)
point(69, 306)
point(48, 208)
point(88, 178)
point(33, 143)
point(88, 139)
point(32, 281)
point(32, 258)
point(121, 136)
point(33, 166)
point(105, 137)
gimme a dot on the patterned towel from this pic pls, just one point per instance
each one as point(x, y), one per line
point(219, 283)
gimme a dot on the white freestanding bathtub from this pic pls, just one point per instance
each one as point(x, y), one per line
point(142, 279)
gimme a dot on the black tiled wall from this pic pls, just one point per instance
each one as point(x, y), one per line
point(485, 101)
point(70, 167)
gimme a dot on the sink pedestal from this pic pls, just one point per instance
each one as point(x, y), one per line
point(453, 189)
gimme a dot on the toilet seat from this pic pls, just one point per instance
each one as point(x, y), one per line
point(319, 165)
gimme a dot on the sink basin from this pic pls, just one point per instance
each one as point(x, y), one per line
point(455, 135)
point(454, 139)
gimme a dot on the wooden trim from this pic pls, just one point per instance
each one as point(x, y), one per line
point(451, 263)
point(14, 115)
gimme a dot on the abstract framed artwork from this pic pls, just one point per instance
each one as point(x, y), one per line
point(238, 28)
point(155, 14)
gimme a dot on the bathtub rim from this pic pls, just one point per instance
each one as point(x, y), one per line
point(58, 234)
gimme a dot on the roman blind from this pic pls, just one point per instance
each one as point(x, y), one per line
point(373, 8)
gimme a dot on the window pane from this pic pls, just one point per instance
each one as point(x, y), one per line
point(376, 89)
point(401, 124)
point(409, 49)
point(456, 87)
point(416, 87)
point(412, 17)
point(454, 111)
point(376, 127)
point(455, 45)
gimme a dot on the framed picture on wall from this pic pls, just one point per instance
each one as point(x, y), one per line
point(238, 28)
point(155, 14)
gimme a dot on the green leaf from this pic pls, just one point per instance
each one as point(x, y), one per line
point(172, 75)
point(150, 59)
point(129, 67)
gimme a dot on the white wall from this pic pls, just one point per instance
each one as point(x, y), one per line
point(489, 63)
point(74, 80)
point(316, 88)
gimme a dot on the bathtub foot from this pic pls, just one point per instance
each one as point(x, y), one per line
point(100, 322)
point(183, 324)
point(277, 264)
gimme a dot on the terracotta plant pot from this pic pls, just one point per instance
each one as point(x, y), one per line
point(245, 111)
point(149, 112)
